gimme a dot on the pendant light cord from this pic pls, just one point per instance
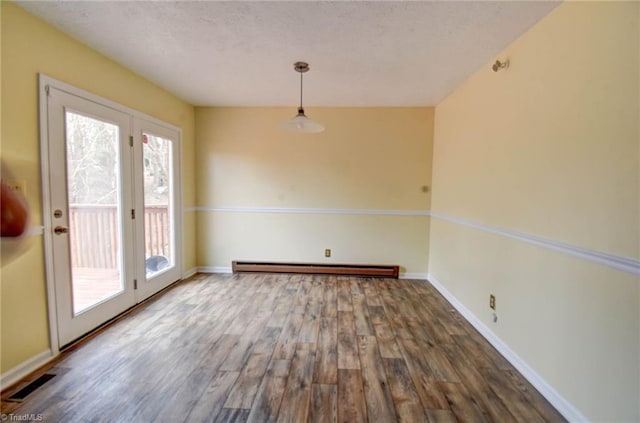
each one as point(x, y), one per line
point(301, 90)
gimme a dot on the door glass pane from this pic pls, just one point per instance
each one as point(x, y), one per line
point(158, 210)
point(93, 175)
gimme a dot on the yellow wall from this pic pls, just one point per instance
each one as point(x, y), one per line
point(29, 47)
point(549, 147)
point(368, 159)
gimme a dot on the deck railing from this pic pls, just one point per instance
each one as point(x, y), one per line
point(94, 234)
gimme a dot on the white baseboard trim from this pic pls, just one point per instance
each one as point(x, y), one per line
point(562, 405)
point(413, 276)
point(23, 369)
point(188, 273)
point(214, 269)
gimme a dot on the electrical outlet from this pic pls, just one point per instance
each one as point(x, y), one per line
point(327, 252)
point(492, 301)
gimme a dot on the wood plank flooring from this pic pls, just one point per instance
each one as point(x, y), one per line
point(288, 348)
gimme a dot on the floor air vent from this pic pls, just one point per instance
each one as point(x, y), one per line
point(22, 393)
point(370, 270)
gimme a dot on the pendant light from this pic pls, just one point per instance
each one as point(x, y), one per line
point(300, 122)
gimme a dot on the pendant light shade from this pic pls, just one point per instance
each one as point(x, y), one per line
point(300, 122)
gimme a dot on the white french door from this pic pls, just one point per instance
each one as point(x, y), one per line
point(92, 240)
point(156, 192)
point(111, 201)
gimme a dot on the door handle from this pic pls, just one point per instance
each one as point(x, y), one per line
point(61, 230)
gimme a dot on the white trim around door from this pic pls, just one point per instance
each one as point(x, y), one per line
point(132, 165)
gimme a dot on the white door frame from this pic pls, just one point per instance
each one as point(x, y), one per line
point(44, 82)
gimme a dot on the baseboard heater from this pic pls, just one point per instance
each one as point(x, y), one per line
point(370, 270)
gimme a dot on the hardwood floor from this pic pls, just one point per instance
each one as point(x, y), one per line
point(288, 348)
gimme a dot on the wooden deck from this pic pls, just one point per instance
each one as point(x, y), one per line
point(91, 286)
point(288, 348)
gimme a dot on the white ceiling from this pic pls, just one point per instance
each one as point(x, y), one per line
point(237, 53)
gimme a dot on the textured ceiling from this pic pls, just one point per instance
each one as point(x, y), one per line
point(239, 53)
